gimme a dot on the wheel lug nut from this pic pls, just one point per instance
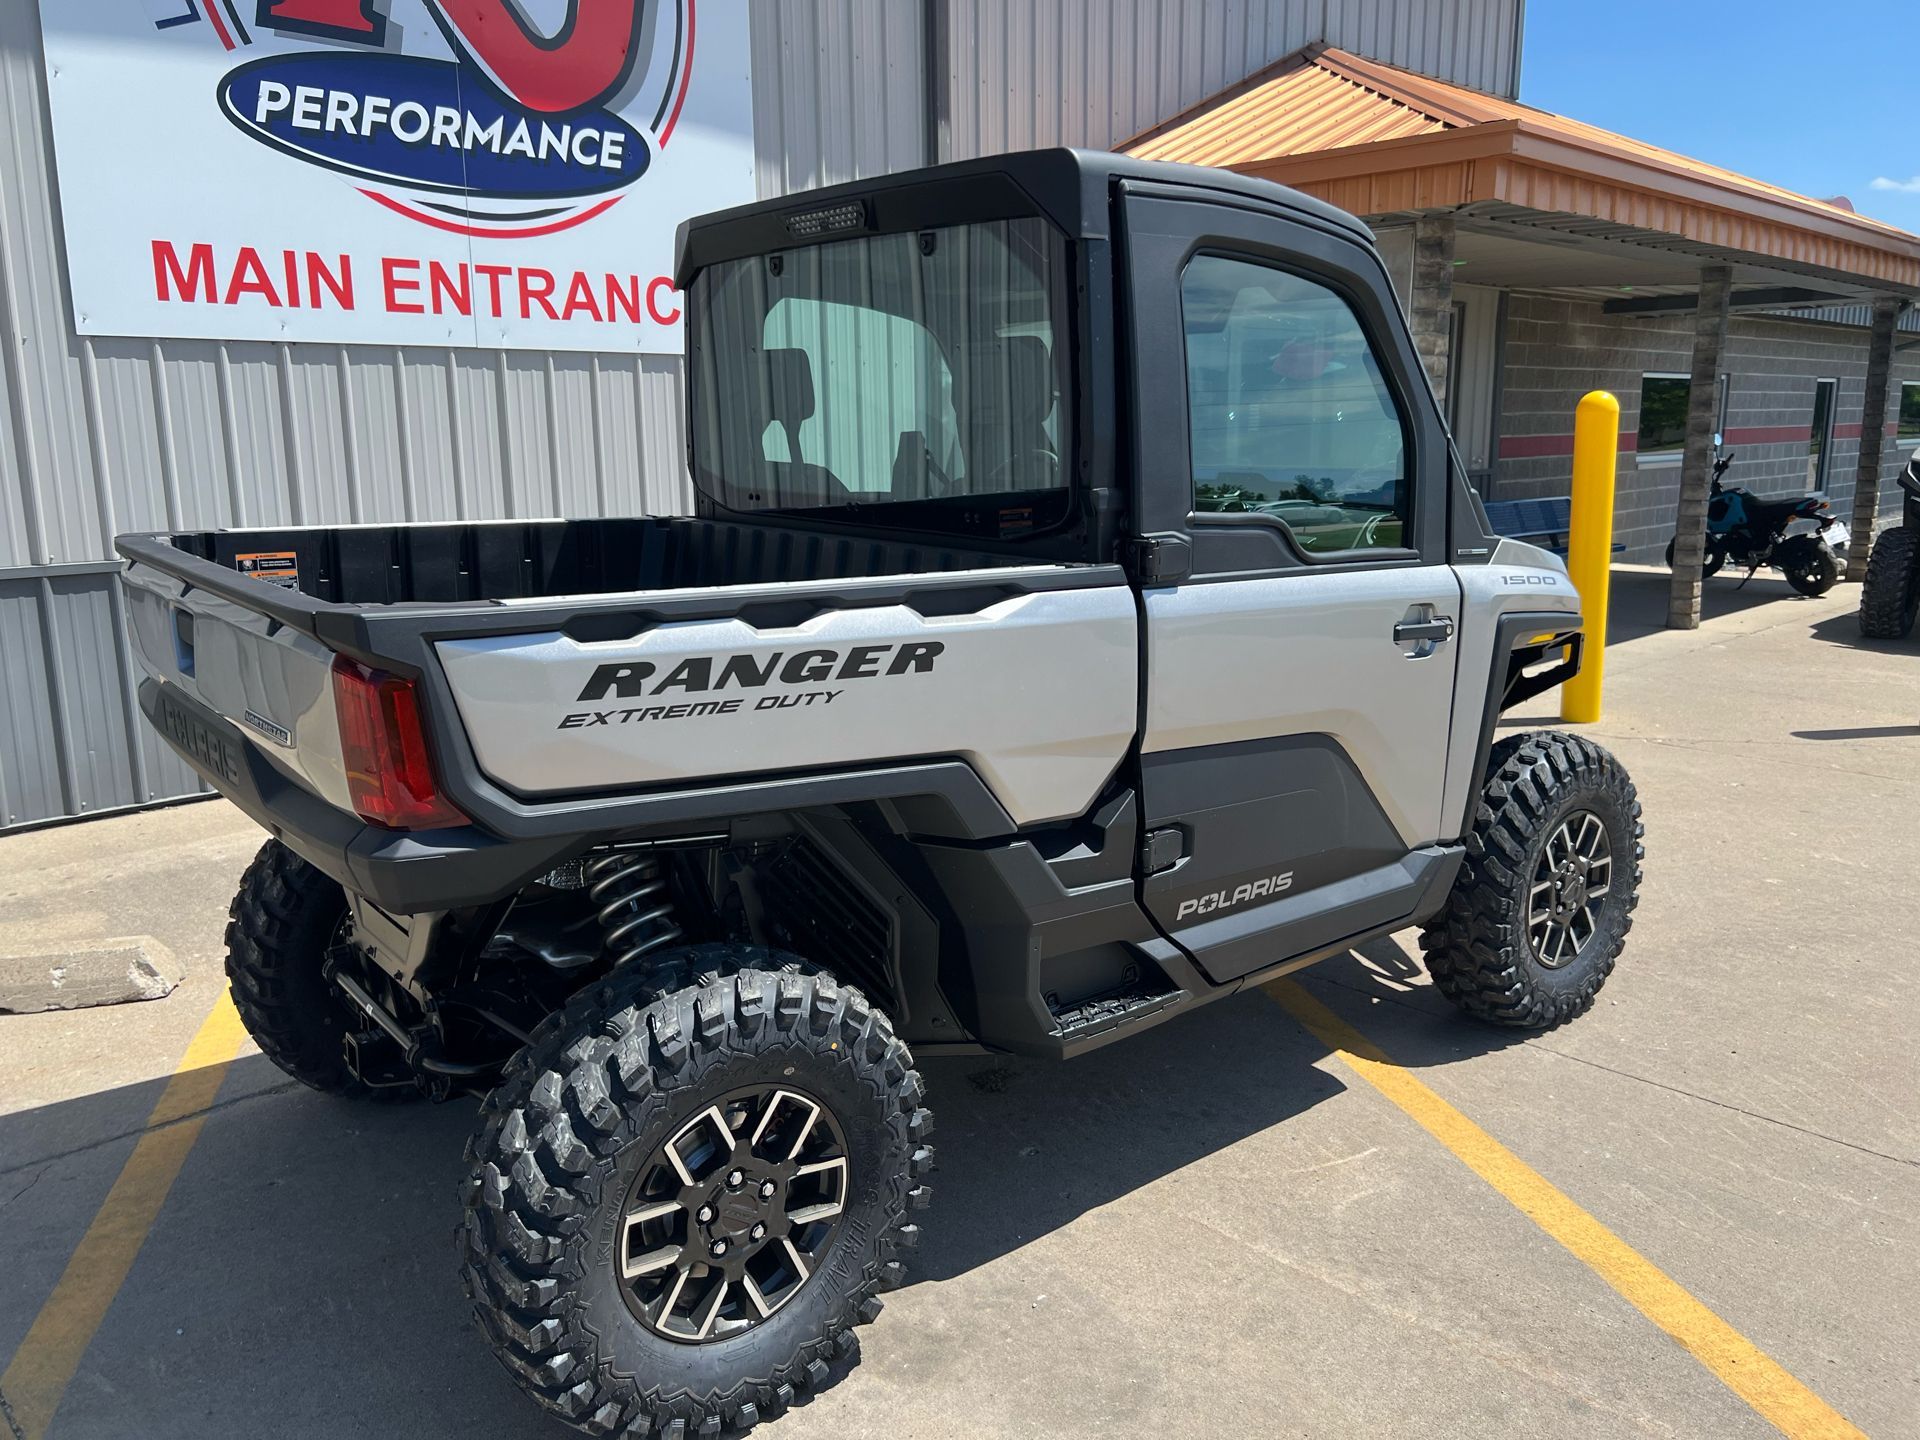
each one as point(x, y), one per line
point(766, 1189)
point(705, 1214)
point(734, 1177)
point(717, 1249)
point(759, 1232)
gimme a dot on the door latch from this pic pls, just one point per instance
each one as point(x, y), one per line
point(1162, 850)
point(1423, 630)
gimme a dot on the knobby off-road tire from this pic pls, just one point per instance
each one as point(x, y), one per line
point(280, 928)
point(565, 1144)
point(1479, 949)
point(1890, 596)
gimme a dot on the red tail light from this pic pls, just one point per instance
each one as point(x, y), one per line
point(389, 772)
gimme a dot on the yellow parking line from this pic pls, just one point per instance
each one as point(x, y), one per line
point(40, 1371)
point(1740, 1365)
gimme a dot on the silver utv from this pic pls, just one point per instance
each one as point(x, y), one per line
point(1083, 618)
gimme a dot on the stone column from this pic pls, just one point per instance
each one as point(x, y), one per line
point(1873, 434)
point(1430, 305)
point(1696, 466)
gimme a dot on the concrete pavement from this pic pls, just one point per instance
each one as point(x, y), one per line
point(1213, 1229)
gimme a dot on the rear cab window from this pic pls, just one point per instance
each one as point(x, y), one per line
point(907, 380)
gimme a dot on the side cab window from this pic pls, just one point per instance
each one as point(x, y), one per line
point(1289, 415)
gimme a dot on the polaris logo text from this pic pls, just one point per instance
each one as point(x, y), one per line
point(1239, 895)
point(631, 679)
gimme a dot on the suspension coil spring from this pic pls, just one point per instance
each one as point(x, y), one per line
point(631, 900)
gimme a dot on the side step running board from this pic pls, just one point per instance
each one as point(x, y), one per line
point(1110, 1011)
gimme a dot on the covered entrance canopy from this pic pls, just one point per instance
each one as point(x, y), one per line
point(1492, 191)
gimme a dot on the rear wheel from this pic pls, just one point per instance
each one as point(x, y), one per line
point(288, 918)
point(1810, 565)
point(1890, 598)
point(682, 1204)
point(1542, 905)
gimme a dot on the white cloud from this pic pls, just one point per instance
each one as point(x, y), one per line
point(1910, 187)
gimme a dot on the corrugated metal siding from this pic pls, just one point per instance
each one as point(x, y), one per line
point(103, 435)
point(1027, 73)
point(71, 738)
point(1466, 42)
point(839, 90)
point(99, 436)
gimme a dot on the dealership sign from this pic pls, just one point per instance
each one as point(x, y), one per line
point(504, 173)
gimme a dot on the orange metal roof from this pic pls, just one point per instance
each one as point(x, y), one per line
point(1376, 139)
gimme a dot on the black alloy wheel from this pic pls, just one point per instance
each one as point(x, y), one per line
point(1573, 877)
point(732, 1214)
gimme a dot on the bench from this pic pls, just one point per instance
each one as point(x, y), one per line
point(1546, 519)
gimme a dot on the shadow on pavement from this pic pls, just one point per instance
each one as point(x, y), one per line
point(1863, 732)
point(1637, 603)
point(300, 1280)
point(1845, 630)
point(1381, 988)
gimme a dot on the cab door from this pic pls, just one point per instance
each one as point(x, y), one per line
point(1291, 488)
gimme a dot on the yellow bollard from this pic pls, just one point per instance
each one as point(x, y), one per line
point(1596, 451)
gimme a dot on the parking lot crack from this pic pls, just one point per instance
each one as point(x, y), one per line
point(13, 1425)
point(1724, 1105)
point(45, 1161)
point(1535, 1045)
point(28, 1186)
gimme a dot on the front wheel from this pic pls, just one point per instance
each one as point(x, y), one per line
point(1809, 564)
point(682, 1204)
point(1716, 556)
point(1543, 902)
point(1890, 598)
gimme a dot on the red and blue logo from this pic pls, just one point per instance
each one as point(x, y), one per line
point(521, 133)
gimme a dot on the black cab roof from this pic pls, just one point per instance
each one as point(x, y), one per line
point(1072, 188)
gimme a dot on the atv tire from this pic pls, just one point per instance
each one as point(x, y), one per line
point(559, 1245)
point(282, 924)
point(1546, 796)
point(1890, 598)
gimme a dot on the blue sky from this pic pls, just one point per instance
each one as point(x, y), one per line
point(1818, 97)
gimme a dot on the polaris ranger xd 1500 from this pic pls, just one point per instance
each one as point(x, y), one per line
point(1083, 618)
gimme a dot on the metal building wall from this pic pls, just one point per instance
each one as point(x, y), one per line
point(105, 435)
point(1027, 73)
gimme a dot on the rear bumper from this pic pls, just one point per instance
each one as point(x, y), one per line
point(403, 873)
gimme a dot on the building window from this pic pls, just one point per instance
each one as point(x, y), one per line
point(1820, 438)
point(1663, 415)
point(1907, 431)
point(1289, 417)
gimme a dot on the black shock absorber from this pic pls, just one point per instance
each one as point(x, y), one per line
point(633, 903)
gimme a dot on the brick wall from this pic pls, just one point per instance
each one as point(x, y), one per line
point(1557, 350)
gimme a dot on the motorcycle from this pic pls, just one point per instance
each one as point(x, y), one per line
point(1753, 532)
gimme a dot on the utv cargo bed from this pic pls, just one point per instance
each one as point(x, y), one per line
point(579, 673)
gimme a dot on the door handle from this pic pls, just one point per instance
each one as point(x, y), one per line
point(1434, 631)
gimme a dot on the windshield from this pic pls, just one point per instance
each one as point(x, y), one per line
point(920, 374)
